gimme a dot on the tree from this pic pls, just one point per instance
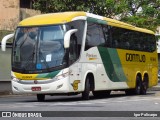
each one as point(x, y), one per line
point(107, 8)
point(142, 13)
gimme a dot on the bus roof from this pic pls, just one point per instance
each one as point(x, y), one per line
point(51, 18)
point(120, 24)
point(64, 17)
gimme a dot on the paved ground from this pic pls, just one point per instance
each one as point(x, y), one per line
point(59, 105)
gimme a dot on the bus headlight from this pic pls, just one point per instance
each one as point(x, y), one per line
point(61, 76)
point(14, 79)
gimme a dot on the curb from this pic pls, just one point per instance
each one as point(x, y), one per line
point(5, 93)
point(155, 88)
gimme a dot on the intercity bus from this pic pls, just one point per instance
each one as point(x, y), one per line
point(78, 52)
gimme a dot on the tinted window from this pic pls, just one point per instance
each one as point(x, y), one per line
point(128, 39)
point(94, 36)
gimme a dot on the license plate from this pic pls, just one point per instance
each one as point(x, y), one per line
point(36, 88)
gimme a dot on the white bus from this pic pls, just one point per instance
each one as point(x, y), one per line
point(78, 52)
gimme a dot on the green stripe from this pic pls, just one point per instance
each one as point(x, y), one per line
point(112, 64)
point(48, 75)
point(96, 20)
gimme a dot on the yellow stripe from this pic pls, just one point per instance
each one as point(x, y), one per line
point(92, 58)
point(26, 76)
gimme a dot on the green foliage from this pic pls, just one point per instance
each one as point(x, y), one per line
point(142, 13)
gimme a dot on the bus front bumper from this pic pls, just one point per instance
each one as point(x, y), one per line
point(40, 86)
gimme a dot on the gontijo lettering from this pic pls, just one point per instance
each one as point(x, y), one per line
point(135, 57)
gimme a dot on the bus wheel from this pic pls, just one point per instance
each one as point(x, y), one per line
point(40, 97)
point(85, 93)
point(144, 87)
point(101, 94)
point(137, 89)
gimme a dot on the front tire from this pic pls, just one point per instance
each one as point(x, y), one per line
point(40, 97)
point(85, 93)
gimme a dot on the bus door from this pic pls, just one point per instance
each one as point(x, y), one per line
point(75, 66)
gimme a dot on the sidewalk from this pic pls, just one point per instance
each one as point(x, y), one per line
point(155, 88)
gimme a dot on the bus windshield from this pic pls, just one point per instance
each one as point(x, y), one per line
point(38, 48)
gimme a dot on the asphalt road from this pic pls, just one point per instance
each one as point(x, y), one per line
point(118, 101)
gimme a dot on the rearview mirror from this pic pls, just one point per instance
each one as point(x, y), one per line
point(67, 37)
point(4, 40)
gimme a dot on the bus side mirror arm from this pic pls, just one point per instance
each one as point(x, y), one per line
point(4, 40)
point(67, 37)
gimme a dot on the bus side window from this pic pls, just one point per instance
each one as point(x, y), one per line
point(76, 38)
point(115, 37)
point(107, 35)
point(94, 36)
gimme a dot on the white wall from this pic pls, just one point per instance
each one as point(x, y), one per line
point(5, 65)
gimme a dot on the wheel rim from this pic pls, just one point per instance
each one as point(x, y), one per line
point(138, 86)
